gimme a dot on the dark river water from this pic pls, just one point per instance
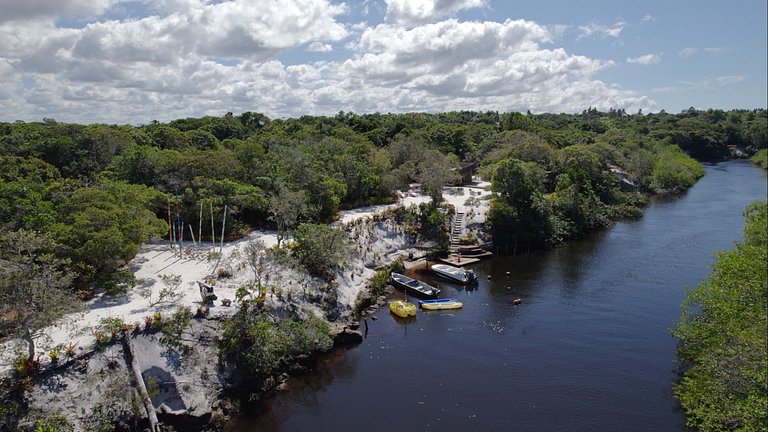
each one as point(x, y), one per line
point(589, 347)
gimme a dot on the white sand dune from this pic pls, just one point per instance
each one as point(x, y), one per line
point(379, 245)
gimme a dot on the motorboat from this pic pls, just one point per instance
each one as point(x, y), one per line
point(402, 308)
point(456, 274)
point(440, 304)
point(414, 286)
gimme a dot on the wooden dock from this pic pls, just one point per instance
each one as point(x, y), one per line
point(457, 261)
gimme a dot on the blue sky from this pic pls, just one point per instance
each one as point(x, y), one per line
point(132, 62)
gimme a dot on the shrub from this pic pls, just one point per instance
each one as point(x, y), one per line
point(119, 282)
point(168, 294)
point(54, 423)
point(761, 158)
point(113, 325)
point(70, 351)
point(674, 171)
point(260, 345)
point(224, 273)
point(53, 354)
point(173, 328)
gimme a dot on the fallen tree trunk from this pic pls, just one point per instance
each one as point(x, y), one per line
point(154, 424)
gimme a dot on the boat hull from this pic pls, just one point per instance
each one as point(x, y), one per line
point(455, 274)
point(442, 305)
point(413, 286)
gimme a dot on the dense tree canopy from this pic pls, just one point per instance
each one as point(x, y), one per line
point(723, 337)
point(100, 190)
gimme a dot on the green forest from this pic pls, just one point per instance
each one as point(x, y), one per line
point(97, 192)
point(723, 337)
point(78, 201)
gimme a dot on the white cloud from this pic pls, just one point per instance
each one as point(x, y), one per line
point(647, 59)
point(729, 79)
point(667, 89)
point(594, 29)
point(648, 18)
point(31, 10)
point(411, 12)
point(193, 58)
point(711, 83)
point(687, 52)
point(714, 50)
point(558, 30)
point(233, 29)
point(319, 47)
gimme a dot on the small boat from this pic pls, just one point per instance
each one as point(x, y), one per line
point(402, 308)
point(440, 304)
point(456, 274)
point(414, 286)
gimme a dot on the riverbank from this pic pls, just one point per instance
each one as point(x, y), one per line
point(189, 382)
point(589, 347)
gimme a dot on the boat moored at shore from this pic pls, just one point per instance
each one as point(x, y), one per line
point(413, 286)
point(402, 308)
point(440, 304)
point(456, 274)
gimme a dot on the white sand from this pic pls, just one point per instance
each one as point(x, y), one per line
point(378, 244)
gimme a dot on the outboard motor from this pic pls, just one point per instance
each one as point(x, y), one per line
point(471, 276)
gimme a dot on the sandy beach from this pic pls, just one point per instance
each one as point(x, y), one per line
point(380, 244)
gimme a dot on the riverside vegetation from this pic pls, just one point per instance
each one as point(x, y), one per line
point(77, 201)
point(722, 337)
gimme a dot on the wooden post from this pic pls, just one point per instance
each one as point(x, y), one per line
point(213, 234)
point(170, 227)
point(223, 223)
point(181, 232)
point(200, 227)
point(192, 233)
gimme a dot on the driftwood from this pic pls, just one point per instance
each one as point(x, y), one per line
point(163, 408)
point(154, 424)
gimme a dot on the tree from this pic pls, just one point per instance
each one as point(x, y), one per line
point(168, 138)
point(102, 227)
point(320, 247)
point(255, 257)
point(436, 171)
point(34, 285)
point(518, 215)
point(285, 208)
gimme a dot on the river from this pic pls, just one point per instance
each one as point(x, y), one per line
point(589, 347)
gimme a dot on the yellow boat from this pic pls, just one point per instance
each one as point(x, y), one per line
point(441, 305)
point(402, 308)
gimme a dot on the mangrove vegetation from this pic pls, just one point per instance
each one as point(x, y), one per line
point(723, 337)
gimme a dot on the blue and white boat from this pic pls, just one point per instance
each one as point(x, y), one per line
point(440, 304)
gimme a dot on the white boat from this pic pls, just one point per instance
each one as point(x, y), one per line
point(456, 274)
point(414, 286)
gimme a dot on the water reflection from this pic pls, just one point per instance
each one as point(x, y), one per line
point(587, 349)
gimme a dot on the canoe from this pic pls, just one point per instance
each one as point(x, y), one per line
point(441, 300)
point(414, 286)
point(402, 308)
point(443, 305)
point(456, 274)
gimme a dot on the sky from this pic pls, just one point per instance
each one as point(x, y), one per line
point(132, 62)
